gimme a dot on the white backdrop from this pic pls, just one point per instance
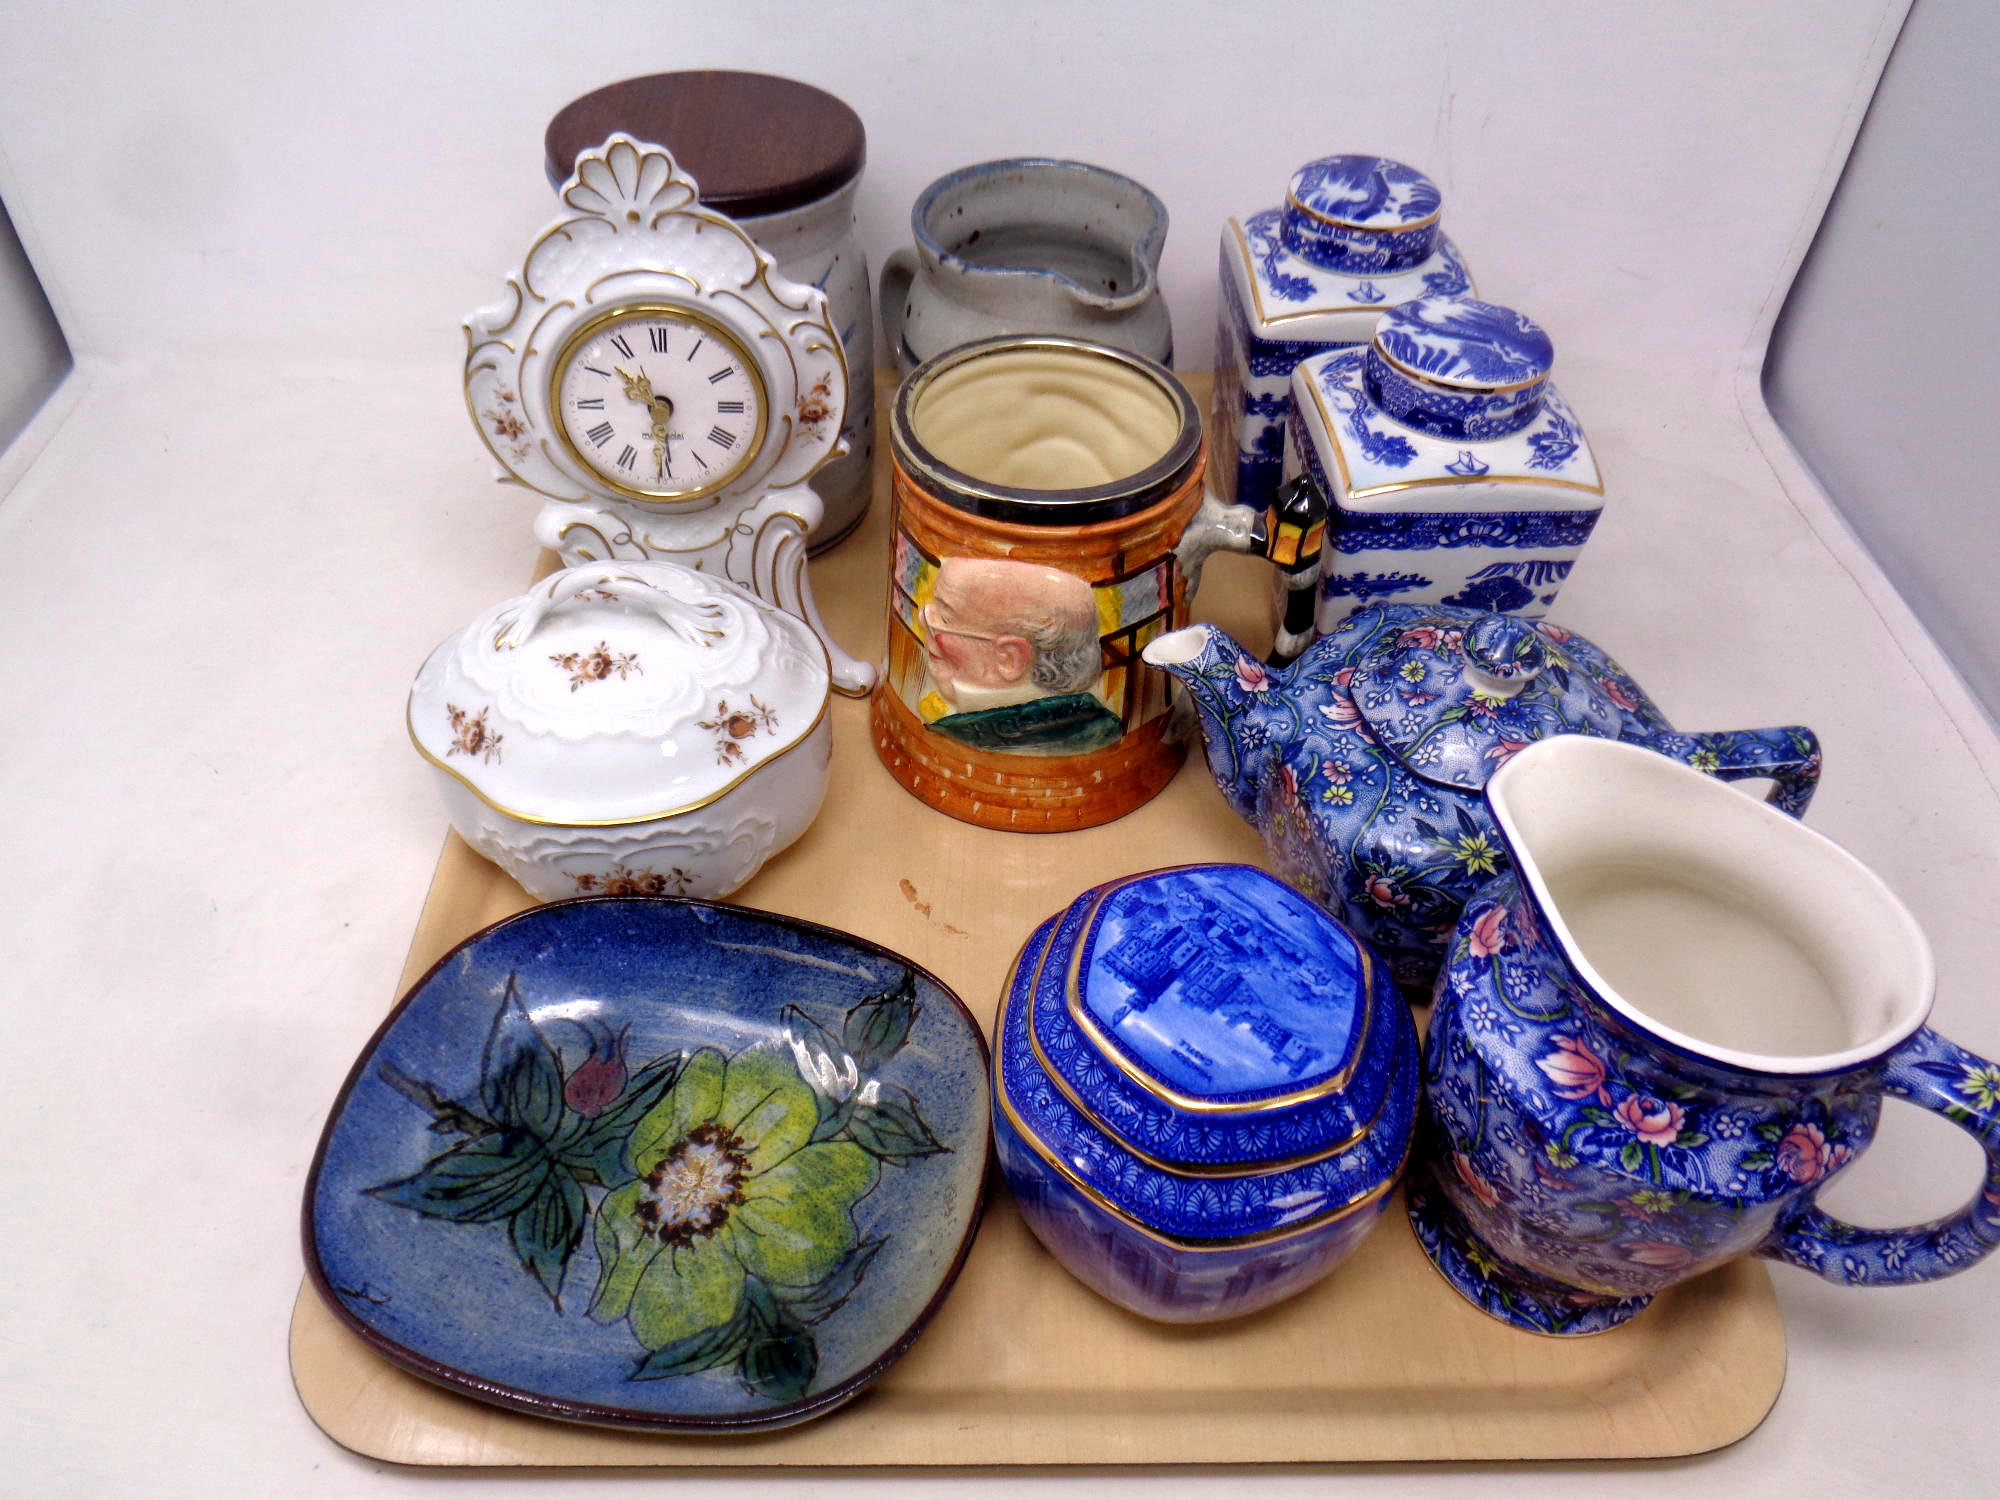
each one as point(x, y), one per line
point(347, 182)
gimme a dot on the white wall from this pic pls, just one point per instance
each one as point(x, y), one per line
point(33, 356)
point(1886, 361)
point(1635, 176)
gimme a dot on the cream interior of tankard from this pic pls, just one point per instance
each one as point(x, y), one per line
point(1707, 913)
point(1045, 419)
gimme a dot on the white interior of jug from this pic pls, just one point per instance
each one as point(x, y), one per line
point(1710, 918)
point(1044, 418)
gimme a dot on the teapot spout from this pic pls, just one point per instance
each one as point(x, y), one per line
point(1233, 693)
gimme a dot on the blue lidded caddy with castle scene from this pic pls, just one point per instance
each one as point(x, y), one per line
point(1206, 1088)
point(1356, 235)
point(1452, 470)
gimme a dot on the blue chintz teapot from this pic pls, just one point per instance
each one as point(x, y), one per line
point(1363, 762)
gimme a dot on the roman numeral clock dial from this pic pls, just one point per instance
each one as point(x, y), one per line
point(658, 401)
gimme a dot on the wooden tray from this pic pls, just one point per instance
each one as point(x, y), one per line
point(1023, 1365)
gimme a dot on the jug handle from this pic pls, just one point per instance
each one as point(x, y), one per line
point(1789, 757)
point(892, 295)
point(1942, 1077)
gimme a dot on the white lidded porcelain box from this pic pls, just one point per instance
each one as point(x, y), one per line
point(1356, 235)
point(628, 729)
point(1452, 470)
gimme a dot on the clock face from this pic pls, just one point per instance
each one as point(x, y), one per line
point(658, 401)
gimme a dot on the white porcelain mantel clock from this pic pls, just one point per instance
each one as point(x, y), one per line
point(664, 387)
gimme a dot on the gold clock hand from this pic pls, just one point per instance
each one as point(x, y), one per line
point(637, 387)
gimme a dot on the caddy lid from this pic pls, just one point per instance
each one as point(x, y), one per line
point(1213, 1020)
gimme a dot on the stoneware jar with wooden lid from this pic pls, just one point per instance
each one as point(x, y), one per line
point(1040, 485)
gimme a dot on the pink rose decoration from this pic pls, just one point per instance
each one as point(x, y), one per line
point(1804, 1155)
point(1615, 691)
point(1425, 636)
point(1554, 632)
point(1654, 1121)
point(1251, 675)
point(1481, 1189)
point(1489, 937)
point(1576, 1071)
point(1384, 892)
point(1505, 750)
point(1658, 1254)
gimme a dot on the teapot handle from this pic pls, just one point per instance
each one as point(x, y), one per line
point(1789, 757)
point(1942, 1077)
point(699, 620)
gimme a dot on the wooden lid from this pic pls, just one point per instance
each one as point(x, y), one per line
point(753, 143)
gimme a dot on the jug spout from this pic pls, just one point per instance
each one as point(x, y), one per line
point(1241, 703)
point(1696, 916)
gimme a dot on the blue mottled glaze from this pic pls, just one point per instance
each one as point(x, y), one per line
point(492, 1153)
point(1361, 214)
point(1362, 763)
point(1574, 1160)
point(1186, 1213)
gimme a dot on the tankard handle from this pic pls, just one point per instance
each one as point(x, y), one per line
point(1789, 757)
point(1942, 1077)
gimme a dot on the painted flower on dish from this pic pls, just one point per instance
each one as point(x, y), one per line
point(724, 1187)
point(730, 1186)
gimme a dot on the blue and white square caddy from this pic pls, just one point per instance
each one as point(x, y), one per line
point(1452, 469)
point(1356, 235)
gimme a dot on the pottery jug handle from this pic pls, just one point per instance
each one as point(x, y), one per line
point(1789, 757)
point(1942, 1077)
point(899, 273)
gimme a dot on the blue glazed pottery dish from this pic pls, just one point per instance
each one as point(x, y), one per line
point(1204, 1087)
point(654, 1163)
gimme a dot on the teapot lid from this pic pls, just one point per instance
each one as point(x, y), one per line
point(618, 693)
point(1455, 692)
